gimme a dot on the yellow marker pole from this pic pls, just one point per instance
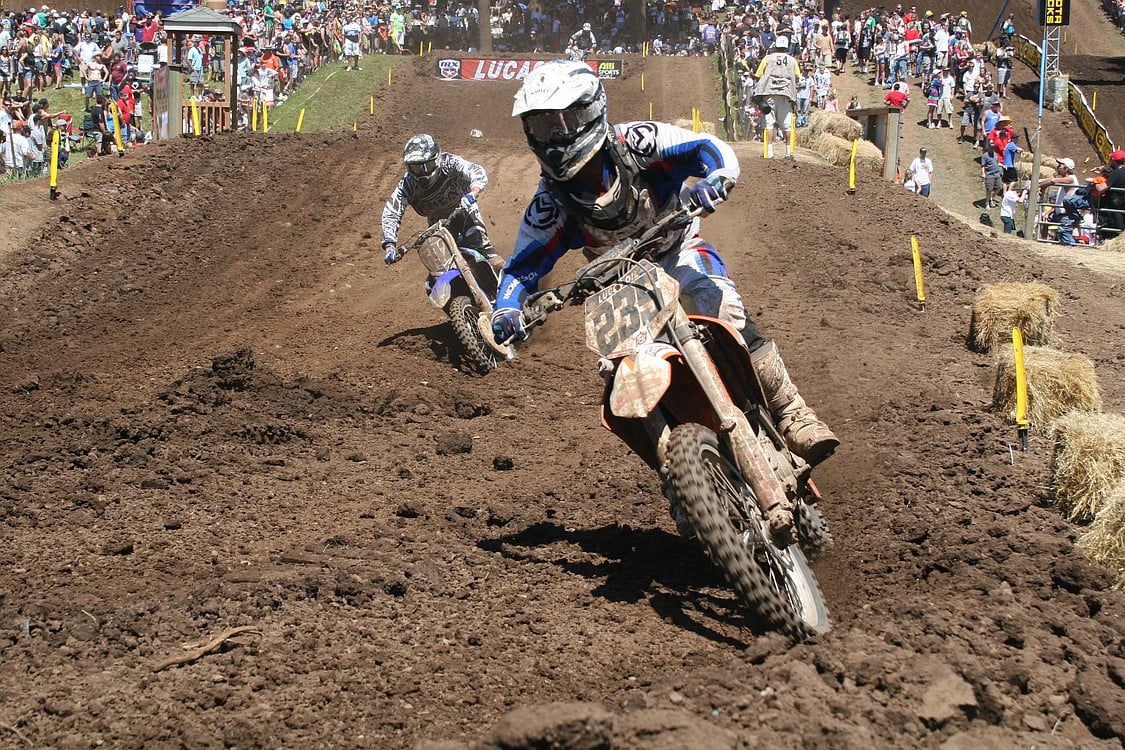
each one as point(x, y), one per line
point(265, 118)
point(1022, 423)
point(195, 124)
point(650, 111)
point(918, 272)
point(371, 106)
point(254, 115)
point(644, 49)
point(642, 81)
point(354, 125)
point(430, 47)
point(792, 134)
point(117, 128)
point(421, 46)
point(1094, 104)
point(1064, 36)
point(1076, 48)
point(851, 166)
point(300, 119)
point(55, 165)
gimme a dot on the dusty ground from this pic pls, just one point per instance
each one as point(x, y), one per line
point(220, 410)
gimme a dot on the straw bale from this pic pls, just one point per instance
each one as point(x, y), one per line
point(1024, 170)
point(1104, 541)
point(1057, 382)
point(998, 308)
point(1116, 245)
point(833, 123)
point(1088, 464)
point(838, 151)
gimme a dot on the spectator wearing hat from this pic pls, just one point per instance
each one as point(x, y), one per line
point(777, 84)
point(1064, 177)
point(923, 169)
point(1001, 133)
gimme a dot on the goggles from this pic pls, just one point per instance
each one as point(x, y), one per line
point(422, 169)
point(560, 126)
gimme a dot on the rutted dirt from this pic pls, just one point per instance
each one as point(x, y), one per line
point(219, 409)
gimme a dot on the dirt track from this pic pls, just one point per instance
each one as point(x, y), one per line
point(220, 409)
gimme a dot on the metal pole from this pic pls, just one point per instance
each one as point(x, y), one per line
point(1037, 161)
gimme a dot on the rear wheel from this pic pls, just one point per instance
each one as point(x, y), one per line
point(774, 582)
point(476, 354)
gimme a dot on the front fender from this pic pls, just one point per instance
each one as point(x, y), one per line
point(640, 381)
point(442, 290)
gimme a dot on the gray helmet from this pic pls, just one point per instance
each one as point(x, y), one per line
point(420, 157)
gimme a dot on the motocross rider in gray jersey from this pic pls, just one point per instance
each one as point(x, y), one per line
point(601, 184)
point(436, 183)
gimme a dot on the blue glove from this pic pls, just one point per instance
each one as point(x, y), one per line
point(390, 254)
point(507, 324)
point(468, 200)
point(706, 194)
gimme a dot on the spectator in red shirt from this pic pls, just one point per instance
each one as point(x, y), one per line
point(897, 97)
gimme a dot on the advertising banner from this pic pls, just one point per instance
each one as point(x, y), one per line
point(476, 69)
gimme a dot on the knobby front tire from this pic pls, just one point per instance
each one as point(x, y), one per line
point(776, 583)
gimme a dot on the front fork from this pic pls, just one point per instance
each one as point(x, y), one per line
point(754, 465)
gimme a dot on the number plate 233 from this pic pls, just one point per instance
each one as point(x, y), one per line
point(625, 316)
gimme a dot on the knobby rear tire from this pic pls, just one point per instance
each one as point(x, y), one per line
point(775, 583)
point(476, 354)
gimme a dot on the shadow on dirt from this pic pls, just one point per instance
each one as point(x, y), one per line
point(637, 564)
point(436, 342)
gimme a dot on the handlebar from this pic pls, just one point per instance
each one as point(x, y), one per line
point(418, 239)
point(604, 270)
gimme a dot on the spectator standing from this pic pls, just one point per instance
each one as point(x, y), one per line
point(194, 59)
point(1011, 154)
point(992, 172)
point(1003, 60)
point(352, 31)
point(1008, 205)
point(777, 82)
point(909, 182)
point(945, 101)
point(923, 170)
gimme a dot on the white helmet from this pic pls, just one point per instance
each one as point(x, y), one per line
point(563, 108)
point(420, 157)
point(585, 27)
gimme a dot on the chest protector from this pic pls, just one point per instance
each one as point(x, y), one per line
point(624, 209)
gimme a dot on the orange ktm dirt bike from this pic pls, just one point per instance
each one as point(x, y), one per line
point(461, 283)
point(682, 393)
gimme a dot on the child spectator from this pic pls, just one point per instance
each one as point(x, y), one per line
point(1008, 208)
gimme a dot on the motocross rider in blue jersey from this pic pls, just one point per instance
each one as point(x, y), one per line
point(601, 184)
point(436, 183)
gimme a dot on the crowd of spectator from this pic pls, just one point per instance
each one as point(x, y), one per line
point(1115, 9)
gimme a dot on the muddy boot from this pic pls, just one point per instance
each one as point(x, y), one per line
point(805, 435)
point(496, 261)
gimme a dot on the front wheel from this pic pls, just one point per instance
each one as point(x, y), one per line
point(475, 351)
point(775, 582)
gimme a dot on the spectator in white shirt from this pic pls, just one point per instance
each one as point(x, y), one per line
point(923, 170)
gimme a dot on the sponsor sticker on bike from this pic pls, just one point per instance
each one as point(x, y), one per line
point(476, 69)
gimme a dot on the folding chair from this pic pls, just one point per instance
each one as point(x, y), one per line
point(84, 139)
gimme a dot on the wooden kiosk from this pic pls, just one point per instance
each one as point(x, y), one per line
point(170, 111)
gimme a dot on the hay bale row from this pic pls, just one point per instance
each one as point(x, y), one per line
point(838, 151)
point(833, 123)
point(1104, 541)
point(1057, 383)
point(997, 308)
point(1088, 465)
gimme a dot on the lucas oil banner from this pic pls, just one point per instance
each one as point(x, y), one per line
point(475, 69)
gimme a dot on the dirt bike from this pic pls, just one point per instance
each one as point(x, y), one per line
point(682, 393)
point(462, 284)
